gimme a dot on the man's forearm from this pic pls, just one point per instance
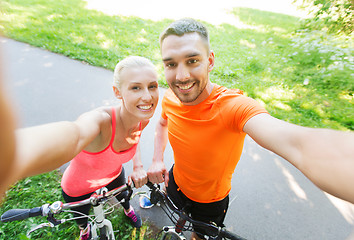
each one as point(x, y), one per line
point(328, 161)
point(160, 142)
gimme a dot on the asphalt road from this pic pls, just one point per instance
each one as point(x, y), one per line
point(270, 199)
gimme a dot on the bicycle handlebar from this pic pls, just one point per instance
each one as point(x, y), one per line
point(159, 196)
point(57, 207)
point(20, 214)
point(156, 196)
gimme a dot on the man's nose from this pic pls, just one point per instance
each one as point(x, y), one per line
point(182, 73)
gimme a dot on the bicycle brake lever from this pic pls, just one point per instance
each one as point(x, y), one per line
point(38, 227)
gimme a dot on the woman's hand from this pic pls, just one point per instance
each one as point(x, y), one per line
point(138, 176)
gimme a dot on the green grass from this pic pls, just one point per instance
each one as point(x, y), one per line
point(266, 58)
point(301, 76)
point(45, 188)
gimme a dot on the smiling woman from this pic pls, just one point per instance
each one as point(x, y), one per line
point(97, 143)
point(111, 136)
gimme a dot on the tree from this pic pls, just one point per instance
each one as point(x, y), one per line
point(334, 15)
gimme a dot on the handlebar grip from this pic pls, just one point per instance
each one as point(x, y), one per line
point(230, 235)
point(20, 214)
point(155, 195)
point(150, 185)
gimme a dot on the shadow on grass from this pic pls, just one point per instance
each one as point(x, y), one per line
point(254, 55)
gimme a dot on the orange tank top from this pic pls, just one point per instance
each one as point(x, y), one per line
point(89, 171)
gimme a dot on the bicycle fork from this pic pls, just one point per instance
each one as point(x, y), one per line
point(103, 224)
point(176, 230)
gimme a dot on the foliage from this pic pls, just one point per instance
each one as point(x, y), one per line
point(264, 55)
point(334, 15)
point(304, 77)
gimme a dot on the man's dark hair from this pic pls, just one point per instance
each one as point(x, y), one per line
point(186, 25)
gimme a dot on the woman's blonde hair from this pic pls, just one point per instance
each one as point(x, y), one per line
point(129, 63)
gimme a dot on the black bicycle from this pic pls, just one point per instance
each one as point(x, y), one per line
point(182, 220)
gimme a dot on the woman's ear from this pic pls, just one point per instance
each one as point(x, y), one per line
point(117, 92)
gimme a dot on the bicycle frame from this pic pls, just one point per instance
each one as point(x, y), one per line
point(100, 220)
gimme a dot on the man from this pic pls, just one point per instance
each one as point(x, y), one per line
point(206, 125)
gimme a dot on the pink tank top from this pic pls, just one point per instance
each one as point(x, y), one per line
point(88, 171)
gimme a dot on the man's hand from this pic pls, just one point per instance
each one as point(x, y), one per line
point(139, 177)
point(157, 173)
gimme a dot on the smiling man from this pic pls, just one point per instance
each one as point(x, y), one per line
point(206, 125)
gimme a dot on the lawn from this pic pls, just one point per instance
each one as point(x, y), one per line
point(301, 76)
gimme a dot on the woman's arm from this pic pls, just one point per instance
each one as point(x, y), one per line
point(7, 139)
point(46, 147)
point(138, 175)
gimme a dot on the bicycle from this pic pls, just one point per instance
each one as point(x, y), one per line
point(182, 220)
point(101, 228)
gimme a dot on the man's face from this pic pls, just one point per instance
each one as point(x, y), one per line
point(187, 64)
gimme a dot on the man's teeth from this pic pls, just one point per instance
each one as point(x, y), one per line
point(185, 87)
point(147, 107)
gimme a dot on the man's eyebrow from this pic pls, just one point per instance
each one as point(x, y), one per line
point(166, 59)
point(194, 54)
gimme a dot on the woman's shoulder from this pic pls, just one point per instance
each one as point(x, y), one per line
point(106, 110)
point(101, 115)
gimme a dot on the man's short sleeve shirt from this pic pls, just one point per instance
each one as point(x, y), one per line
point(207, 140)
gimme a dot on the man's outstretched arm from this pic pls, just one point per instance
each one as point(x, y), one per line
point(325, 156)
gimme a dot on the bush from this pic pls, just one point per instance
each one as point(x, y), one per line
point(334, 15)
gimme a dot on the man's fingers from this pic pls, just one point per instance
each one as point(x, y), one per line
point(167, 178)
point(161, 178)
point(156, 177)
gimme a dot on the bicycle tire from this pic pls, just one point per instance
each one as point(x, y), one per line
point(170, 236)
point(103, 234)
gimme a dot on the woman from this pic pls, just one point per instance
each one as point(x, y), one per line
point(112, 135)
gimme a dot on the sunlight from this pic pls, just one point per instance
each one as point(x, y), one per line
point(277, 92)
point(215, 12)
point(281, 105)
point(345, 208)
point(299, 192)
point(247, 43)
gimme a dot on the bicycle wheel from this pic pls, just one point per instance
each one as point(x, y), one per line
point(170, 236)
point(104, 234)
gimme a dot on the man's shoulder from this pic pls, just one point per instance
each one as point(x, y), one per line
point(222, 93)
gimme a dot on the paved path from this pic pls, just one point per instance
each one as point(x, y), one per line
point(270, 199)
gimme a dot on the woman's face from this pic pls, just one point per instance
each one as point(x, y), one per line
point(139, 91)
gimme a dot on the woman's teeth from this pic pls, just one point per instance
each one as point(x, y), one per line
point(146, 107)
